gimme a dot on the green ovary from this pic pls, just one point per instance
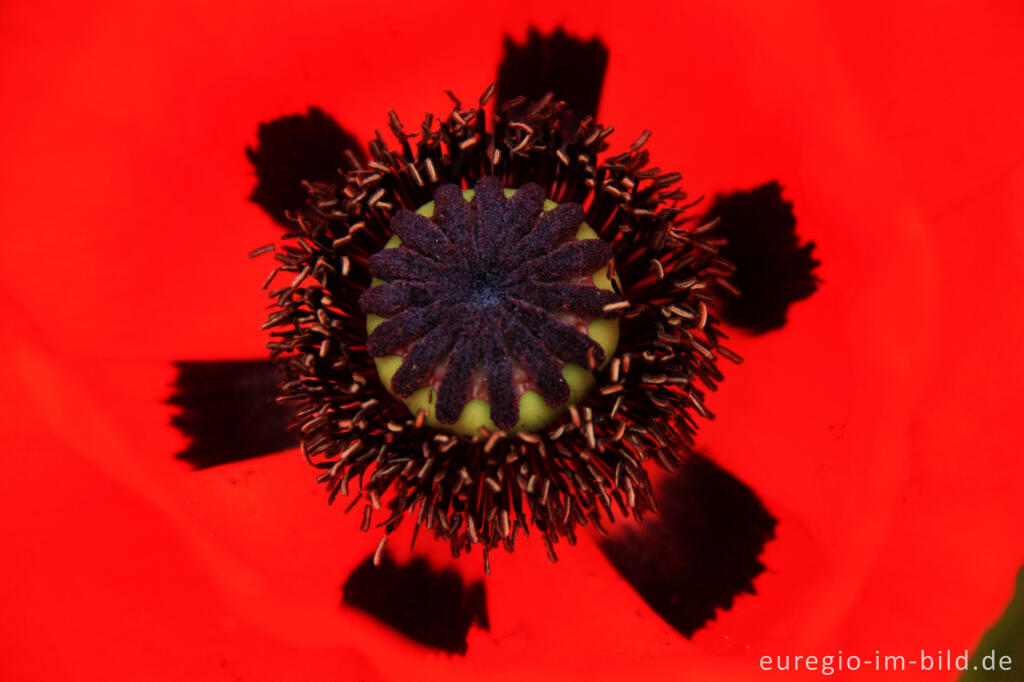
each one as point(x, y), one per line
point(534, 413)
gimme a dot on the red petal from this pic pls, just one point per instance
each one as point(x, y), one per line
point(878, 426)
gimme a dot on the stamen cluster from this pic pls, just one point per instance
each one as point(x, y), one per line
point(487, 488)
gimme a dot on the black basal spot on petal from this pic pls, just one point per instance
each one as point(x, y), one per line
point(571, 68)
point(435, 608)
point(700, 551)
point(228, 411)
point(773, 269)
point(295, 148)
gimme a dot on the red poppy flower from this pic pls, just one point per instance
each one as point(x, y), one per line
point(877, 426)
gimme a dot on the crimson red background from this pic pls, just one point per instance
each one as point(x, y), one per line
point(880, 426)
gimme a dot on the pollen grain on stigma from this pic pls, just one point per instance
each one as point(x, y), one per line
point(491, 307)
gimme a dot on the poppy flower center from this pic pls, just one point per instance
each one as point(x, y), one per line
point(491, 308)
point(487, 286)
